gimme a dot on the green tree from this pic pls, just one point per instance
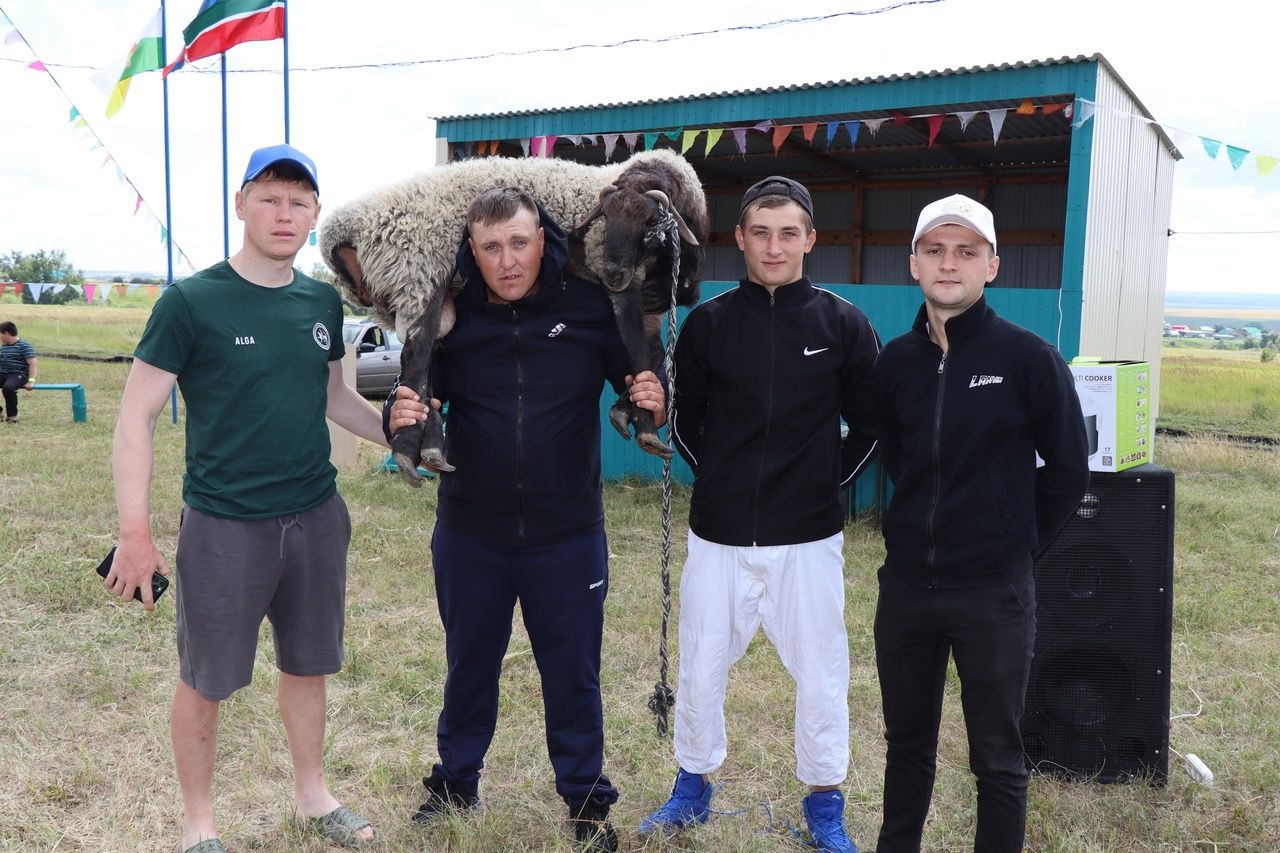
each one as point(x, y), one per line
point(320, 272)
point(43, 267)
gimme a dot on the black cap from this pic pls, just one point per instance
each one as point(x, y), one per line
point(778, 185)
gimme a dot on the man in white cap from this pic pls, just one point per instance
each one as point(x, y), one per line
point(256, 347)
point(965, 401)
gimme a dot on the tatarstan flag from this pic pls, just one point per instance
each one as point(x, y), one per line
point(145, 55)
point(222, 24)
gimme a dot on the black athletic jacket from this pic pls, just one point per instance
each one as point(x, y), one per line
point(523, 383)
point(959, 434)
point(761, 383)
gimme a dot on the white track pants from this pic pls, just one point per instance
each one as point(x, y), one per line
point(797, 593)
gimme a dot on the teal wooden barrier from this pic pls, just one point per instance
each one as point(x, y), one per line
point(891, 309)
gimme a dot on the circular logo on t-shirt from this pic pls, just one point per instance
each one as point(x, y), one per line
point(321, 335)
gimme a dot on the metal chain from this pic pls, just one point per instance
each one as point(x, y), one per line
point(663, 698)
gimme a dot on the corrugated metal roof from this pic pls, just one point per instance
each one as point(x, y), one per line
point(805, 87)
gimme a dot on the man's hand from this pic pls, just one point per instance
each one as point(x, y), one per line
point(646, 392)
point(408, 410)
point(132, 568)
point(31, 384)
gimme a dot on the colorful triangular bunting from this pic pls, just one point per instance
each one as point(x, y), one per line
point(997, 122)
point(780, 133)
point(713, 136)
point(687, 139)
point(1083, 111)
point(935, 124)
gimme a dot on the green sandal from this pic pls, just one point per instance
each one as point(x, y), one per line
point(341, 826)
point(209, 845)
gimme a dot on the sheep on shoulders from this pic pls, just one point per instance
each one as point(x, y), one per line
point(393, 250)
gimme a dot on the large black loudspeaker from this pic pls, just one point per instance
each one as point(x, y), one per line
point(1098, 699)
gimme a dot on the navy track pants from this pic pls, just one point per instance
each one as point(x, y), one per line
point(561, 589)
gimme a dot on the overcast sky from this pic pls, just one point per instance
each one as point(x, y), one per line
point(1210, 71)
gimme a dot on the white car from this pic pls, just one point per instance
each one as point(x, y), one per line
point(377, 356)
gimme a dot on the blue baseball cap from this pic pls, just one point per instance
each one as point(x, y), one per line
point(272, 154)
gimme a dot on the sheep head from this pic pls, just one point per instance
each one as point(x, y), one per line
point(635, 208)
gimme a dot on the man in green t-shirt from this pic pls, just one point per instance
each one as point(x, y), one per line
point(256, 348)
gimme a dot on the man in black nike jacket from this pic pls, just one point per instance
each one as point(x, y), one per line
point(763, 375)
point(966, 401)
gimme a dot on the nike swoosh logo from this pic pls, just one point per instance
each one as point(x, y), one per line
point(808, 351)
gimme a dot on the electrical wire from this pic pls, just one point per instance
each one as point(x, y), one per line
point(1172, 232)
point(506, 54)
point(1198, 710)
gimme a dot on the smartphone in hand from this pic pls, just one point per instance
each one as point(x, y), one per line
point(159, 583)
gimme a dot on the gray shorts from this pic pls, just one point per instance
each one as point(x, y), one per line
point(232, 573)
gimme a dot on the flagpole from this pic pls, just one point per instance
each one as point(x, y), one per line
point(226, 178)
point(168, 186)
point(286, 72)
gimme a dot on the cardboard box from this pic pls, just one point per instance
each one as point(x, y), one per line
point(1115, 399)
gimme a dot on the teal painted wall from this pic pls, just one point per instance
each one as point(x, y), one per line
point(1078, 176)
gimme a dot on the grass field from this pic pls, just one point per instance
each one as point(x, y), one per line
point(1219, 391)
point(85, 680)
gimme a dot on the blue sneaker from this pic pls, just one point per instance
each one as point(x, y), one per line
point(824, 813)
point(690, 803)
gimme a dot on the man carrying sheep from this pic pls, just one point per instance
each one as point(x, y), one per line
point(256, 348)
point(763, 375)
point(522, 518)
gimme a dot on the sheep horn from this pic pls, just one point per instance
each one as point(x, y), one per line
point(598, 209)
point(685, 233)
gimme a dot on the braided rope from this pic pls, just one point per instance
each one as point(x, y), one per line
point(663, 699)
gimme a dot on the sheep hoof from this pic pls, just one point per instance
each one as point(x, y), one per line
point(650, 443)
point(435, 458)
point(621, 421)
point(408, 469)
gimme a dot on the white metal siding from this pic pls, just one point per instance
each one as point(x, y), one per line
point(1126, 243)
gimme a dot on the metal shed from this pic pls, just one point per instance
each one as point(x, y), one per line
point(1077, 173)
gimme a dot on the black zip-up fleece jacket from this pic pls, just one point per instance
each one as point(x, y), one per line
point(761, 383)
point(959, 433)
point(523, 384)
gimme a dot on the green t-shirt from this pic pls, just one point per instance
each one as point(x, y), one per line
point(253, 366)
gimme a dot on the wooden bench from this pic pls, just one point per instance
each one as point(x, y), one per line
point(79, 402)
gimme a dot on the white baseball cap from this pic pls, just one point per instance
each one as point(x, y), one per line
point(956, 210)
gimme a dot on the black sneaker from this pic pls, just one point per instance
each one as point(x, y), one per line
point(441, 797)
point(592, 832)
